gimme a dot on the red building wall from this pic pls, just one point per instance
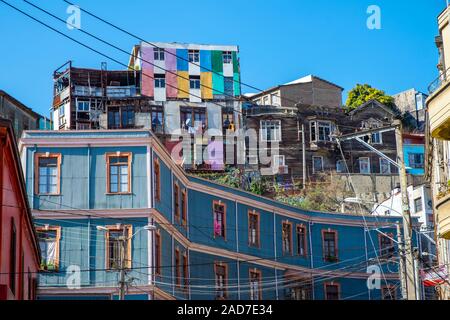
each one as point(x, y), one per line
point(15, 214)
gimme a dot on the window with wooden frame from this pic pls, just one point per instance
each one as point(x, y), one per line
point(177, 268)
point(255, 285)
point(49, 242)
point(219, 216)
point(184, 208)
point(186, 271)
point(176, 202)
point(114, 238)
point(387, 247)
point(158, 252)
point(47, 173)
point(13, 257)
point(286, 237)
point(118, 172)
point(253, 229)
point(329, 242)
point(388, 293)
point(332, 291)
point(301, 241)
point(157, 183)
point(221, 276)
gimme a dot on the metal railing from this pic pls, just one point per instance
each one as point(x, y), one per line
point(437, 83)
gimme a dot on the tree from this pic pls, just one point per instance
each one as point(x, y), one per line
point(363, 93)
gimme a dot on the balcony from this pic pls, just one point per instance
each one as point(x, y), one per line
point(88, 91)
point(443, 216)
point(120, 91)
point(439, 106)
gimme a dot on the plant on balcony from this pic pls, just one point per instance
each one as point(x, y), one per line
point(48, 266)
point(332, 259)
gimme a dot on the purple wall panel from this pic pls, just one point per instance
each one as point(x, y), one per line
point(147, 71)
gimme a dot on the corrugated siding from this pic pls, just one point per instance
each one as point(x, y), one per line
point(183, 84)
point(218, 83)
point(217, 61)
point(147, 88)
point(182, 62)
point(206, 85)
point(205, 61)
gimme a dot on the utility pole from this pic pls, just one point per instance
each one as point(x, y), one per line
point(401, 266)
point(406, 214)
point(123, 241)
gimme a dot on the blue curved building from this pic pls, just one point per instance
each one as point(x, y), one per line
point(88, 189)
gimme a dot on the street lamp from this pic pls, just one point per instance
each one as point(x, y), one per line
point(123, 240)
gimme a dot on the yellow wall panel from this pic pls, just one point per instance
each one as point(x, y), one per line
point(183, 84)
point(206, 85)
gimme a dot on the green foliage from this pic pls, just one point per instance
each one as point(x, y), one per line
point(363, 93)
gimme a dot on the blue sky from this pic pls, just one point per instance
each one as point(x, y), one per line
point(279, 40)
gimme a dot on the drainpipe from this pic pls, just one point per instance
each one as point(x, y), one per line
point(33, 178)
point(311, 259)
point(89, 176)
point(89, 249)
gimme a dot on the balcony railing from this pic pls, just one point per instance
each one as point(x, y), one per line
point(257, 110)
point(88, 91)
point(437, 83)
point(120, 92)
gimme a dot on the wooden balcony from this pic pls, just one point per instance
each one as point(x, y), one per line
point(439, 107)
point(443, 216)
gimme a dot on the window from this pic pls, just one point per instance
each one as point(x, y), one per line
point(120, 118)
point(385, 166)
point(194, 82)
point(364, 165)
point(317, 164)
point(253, 228)
point(278, 160)
point(193, 120)
point(228, 87)
point(266, 100)
point(331, 291)
point(177, 268)
point(158, 54)
point(227, 119)
point(387, 247)
point(388, 293)
point(276, 100)
point(118, 172)
point(47, 176)
point(194, 56)
point(301, 292)
point(227, 57)
point(118, 237)
point(83, 106)
point(221, 280)
point(219, 219)
point(160, 81)
point(176, 202)
point(186, 271)
point(301, 241)
point(255, 285)
point(83, 126)
point(184, 208)
point(376, 138)
point(271, 130)
point(13, 257)
point(286, 235)
point(158, 252)
point(329, 239)
point(157, 120)
point(157, 186)
point(418, 207)
point(320, 131)
point(49, 244)
point(61, 116)
point(340, 166)
point(416, 160)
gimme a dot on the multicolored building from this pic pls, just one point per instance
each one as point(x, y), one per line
point(186, 238)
